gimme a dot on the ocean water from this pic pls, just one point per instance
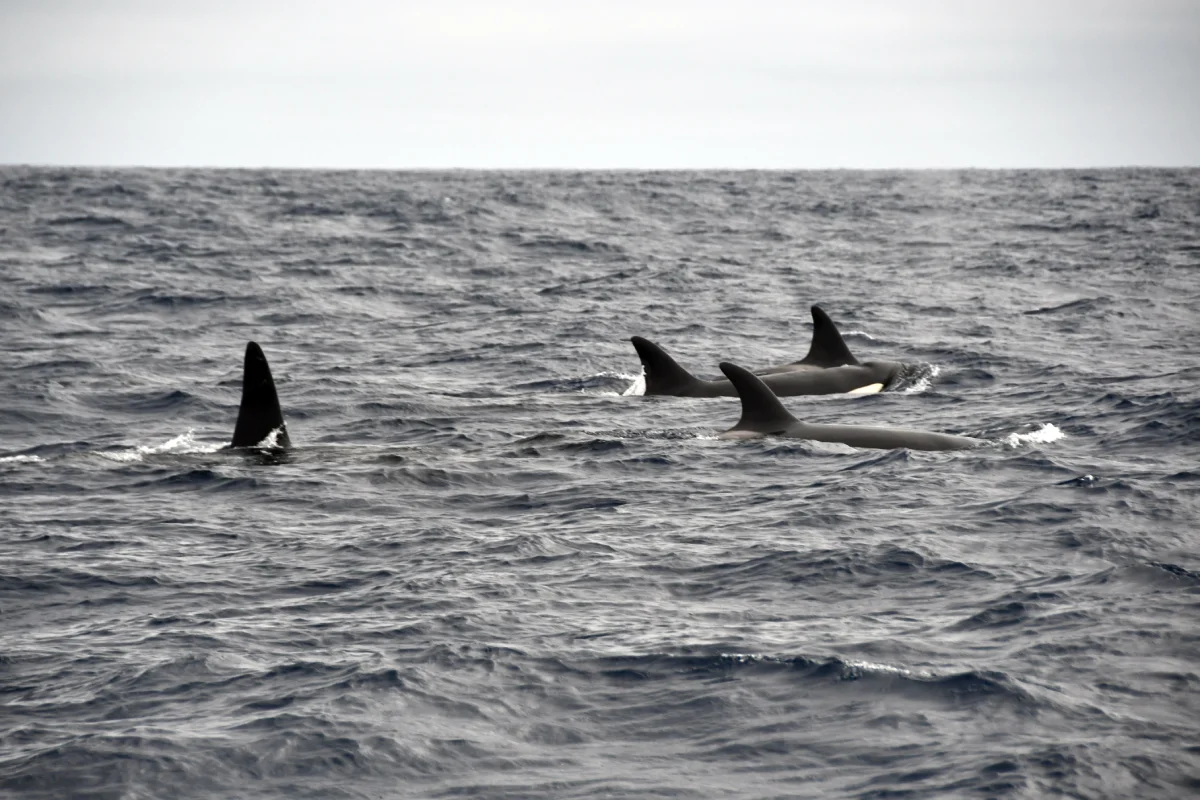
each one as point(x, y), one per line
point(490, 569)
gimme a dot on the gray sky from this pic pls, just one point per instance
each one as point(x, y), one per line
point(611, 83)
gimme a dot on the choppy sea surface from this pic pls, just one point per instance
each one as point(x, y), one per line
point(489, 568)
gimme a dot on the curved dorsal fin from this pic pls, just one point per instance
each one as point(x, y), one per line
point(259, 413)
point(663, 373)
point(761, 410)
point(827, 349)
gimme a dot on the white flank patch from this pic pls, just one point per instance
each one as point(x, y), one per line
point(870, 388)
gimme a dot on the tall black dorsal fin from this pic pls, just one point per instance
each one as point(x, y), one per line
point(761, 410)
point(827, 349)
point(663, 373)
point(259, 414)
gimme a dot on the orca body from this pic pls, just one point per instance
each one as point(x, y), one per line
point(259, 415)
point(664, 376)
point(764, 415)
point(828, 368)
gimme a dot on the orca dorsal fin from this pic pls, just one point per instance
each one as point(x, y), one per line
point(828, 349)
point(259, 414)
point(761, 410)
point(663, 373)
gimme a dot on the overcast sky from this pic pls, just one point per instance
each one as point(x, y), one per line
point(610, 83)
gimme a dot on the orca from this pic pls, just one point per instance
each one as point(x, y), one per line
point(764, 415)
point(828, 368)
point(259, 415)
point(827, 349)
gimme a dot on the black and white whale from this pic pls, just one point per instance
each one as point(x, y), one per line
point(260, 420)
point(828, 368)
point(764, 415)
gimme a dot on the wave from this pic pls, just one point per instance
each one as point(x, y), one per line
point(183, 444)
point(1087, 305)
point(950, 687)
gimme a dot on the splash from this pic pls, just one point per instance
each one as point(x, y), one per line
point(637, 388)
point(1047, 433)
point(608, 378)
point(920, 380)
point(183, 444)
point(271, 440)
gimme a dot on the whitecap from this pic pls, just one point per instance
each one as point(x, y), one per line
point(1047, 433)
point(20, 459)
point(884, 669)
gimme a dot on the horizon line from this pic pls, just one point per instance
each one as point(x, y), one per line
point(327, 168)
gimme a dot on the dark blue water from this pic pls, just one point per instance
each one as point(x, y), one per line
point(485, 570)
